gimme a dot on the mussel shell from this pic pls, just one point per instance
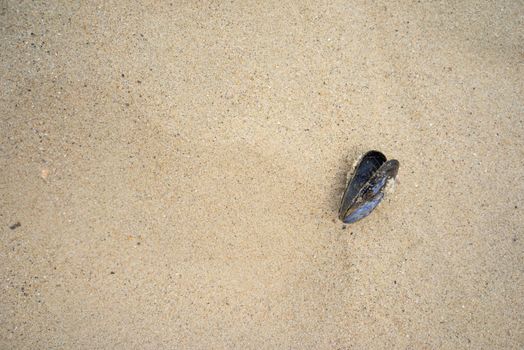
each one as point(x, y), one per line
point(365, 189)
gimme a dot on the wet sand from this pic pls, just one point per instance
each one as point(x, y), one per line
point(176, 169)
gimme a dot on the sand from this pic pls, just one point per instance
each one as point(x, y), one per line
point(176, 170)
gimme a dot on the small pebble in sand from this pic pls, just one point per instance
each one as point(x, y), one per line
point(44, 173)
point(15, 225)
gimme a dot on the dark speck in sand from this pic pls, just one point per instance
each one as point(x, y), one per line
point(15, 225)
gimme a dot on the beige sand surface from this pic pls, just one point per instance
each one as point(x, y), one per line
point(176, 170)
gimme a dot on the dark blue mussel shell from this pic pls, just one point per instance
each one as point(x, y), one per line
point(366, 187)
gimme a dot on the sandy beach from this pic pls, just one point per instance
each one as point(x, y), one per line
point(171, 174)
